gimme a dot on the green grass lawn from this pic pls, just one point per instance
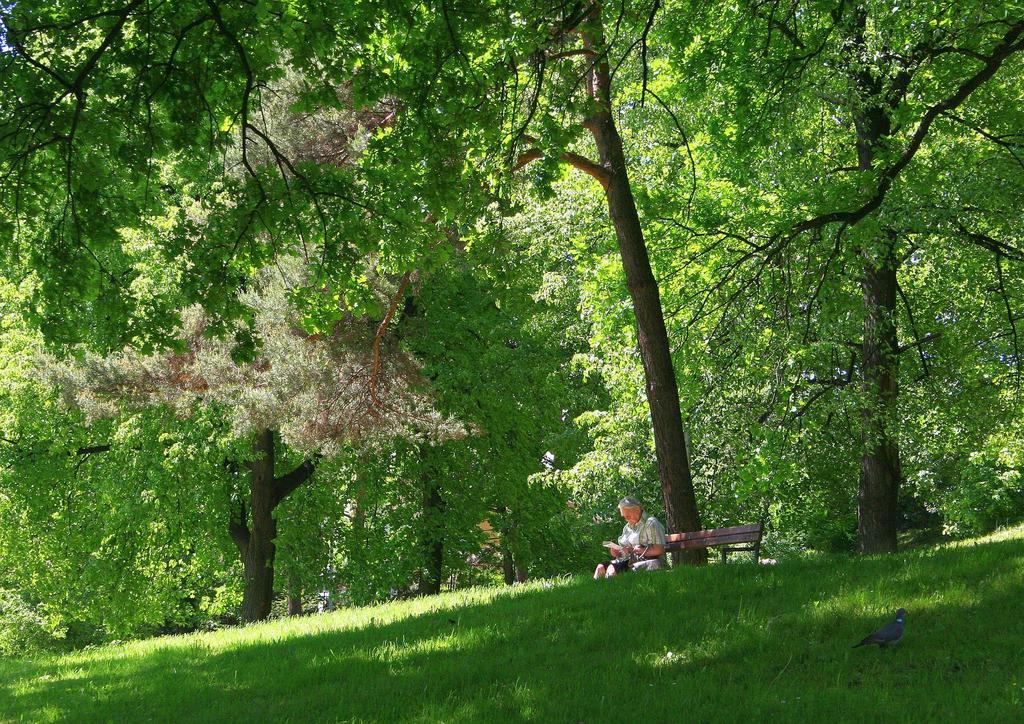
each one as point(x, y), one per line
point(722, 643)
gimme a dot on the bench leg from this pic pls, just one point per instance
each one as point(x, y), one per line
point(724, 553)
point(757, 553)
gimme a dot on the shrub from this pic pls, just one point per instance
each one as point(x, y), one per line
point(22, 630)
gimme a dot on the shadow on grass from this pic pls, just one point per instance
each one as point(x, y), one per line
point(722, 642)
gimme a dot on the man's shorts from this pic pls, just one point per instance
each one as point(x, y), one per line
point(644, 564)
point(647, 564)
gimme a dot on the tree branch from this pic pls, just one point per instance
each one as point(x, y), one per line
point(917, 335)
point(239, 529)
point(286, 484)
point(1009, 316)
point(571, 53)
point(575, 160)
point(92, 449)
point(1003, 50)
point(644, 71)
point(917, 345)
point(1000, 248)
point(686, 143)
point(379, 338)
point(1011, 148)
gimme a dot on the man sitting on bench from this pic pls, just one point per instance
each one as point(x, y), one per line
point(641, 545)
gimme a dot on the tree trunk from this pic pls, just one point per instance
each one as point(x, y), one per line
point(508, 567)
point(255, 530)
point(258, 552)
point(294, 596)
point(880, 458)
point(432, 540)
point(880, 473)
point(652, 337)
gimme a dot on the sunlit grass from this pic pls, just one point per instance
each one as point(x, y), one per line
point(723, 643)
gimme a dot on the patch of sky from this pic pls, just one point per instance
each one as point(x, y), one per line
point(5, 13)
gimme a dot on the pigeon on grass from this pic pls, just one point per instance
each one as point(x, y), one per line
point(888, 635)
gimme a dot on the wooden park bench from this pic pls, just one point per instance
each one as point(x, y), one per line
point(725, 537)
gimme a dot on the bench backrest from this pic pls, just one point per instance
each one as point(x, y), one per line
point(715, 537)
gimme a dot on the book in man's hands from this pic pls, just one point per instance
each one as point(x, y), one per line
point(610, 544)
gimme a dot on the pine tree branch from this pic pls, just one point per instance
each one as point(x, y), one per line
point(379, 338)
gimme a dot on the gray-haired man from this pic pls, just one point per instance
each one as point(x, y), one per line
point(641, 545)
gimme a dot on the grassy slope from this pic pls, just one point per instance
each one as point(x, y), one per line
point(715, 644)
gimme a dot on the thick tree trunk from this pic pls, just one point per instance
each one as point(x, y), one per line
point(652, 337)
point(255, 529)
point(880, 458)
point(880, 473)
point(258, 553)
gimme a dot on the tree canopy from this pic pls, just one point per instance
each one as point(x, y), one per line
point(445, 280)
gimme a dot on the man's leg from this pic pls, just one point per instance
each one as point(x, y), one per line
point(616, 567)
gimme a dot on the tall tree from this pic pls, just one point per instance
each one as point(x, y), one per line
point(587, 21)
point(447, 74)
point(854, 91)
